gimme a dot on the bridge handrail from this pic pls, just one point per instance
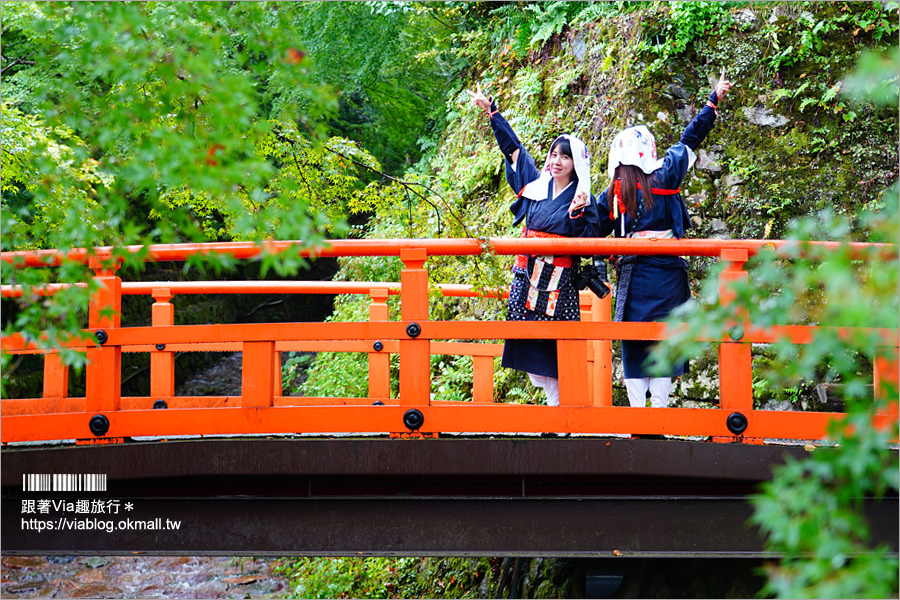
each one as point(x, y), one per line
point(438, 247)
point(584, 355)
point(137, 288)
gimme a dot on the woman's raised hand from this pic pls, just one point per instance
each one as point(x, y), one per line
point(479, 100)
point(578, 203)
point(723, 86)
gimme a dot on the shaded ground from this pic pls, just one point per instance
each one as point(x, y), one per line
point(139, 577)
point(150, 576)
point(224, 377)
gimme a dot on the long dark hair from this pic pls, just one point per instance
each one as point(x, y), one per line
point(565, 148)
point(630, 176)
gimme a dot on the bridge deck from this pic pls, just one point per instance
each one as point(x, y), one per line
point(575, 496)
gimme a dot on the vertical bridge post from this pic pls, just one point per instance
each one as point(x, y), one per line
point(575, 387)
point(735, 375)
point(56, 377)
point(602, 312)
point(886, 376)
point(601, 370)
point(103, 378)
point(379, 360)
point(415, 354)
point(162, 362)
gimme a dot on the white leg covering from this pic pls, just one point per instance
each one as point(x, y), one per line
point(660, 387)
point(550, 386)
point(536, 380)
point(637, 391)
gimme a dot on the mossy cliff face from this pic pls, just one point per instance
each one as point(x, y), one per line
point(786, 142)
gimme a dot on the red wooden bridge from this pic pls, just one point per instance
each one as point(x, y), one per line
point(478, 450)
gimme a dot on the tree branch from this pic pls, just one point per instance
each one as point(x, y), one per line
point(278, 134)
point(18, 61)
point(407, 185)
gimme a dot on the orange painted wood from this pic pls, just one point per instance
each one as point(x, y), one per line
point(103, 374)
point(135, 288)
point(735, 362)
point(735, 377)
point(466, 349)
point(483, 379)
point(41, 406)
point(390, 347)
point(415, 353)
point(330, 401)
point(574, 389)
point(487, 330)
point(886, 377)
point(277, 382)
point(444, 247)
point(585, 302)
point(379, 361)
point(258, 374)
point(56, 377)
point(162, 362)
point(601, 312)
point(466, 416)
point(262, 408)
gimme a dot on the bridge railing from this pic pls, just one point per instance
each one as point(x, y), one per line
point(583, 354)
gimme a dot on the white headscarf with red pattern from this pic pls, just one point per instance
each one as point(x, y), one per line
point(634, 146)
point(537, 189)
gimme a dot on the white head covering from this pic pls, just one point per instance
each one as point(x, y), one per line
point(634, 146)
point(537, 189)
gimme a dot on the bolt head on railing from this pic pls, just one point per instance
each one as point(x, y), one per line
point(101, 336)
point(160, 346)
point(413, 418)
point(99, 425)
point(378, 346)
point(413, 330)
point(736, 423)
point(160, 404)
point(736, 332)
point(378, 403)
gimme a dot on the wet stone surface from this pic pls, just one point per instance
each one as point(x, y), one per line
point(140, 577)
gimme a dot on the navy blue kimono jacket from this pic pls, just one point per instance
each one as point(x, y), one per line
point(546, 216)
point(649, 287)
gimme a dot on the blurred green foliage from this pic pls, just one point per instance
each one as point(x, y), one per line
point(374, 577)
point(812, 512)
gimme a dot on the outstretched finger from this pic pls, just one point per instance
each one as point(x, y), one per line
point(722, 76)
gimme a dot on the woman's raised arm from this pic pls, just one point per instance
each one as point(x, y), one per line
point(697, 130)
point(507, 140)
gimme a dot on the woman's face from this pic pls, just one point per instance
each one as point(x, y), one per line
point(562, 167)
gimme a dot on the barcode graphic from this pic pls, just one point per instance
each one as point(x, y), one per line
point(64, 482)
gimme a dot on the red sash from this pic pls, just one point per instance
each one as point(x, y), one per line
point(617, 192)
point(559, 261)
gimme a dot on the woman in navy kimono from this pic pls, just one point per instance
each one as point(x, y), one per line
point(649, 287)
point(555, 201)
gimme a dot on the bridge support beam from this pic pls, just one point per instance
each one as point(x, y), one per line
point(440, 497)
point(56, 377)
point(162, 361)
point(257, 383)
point(735, 376)
point(379, 359)
point(601, 368)
point(103, 377)
point(415, 354)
